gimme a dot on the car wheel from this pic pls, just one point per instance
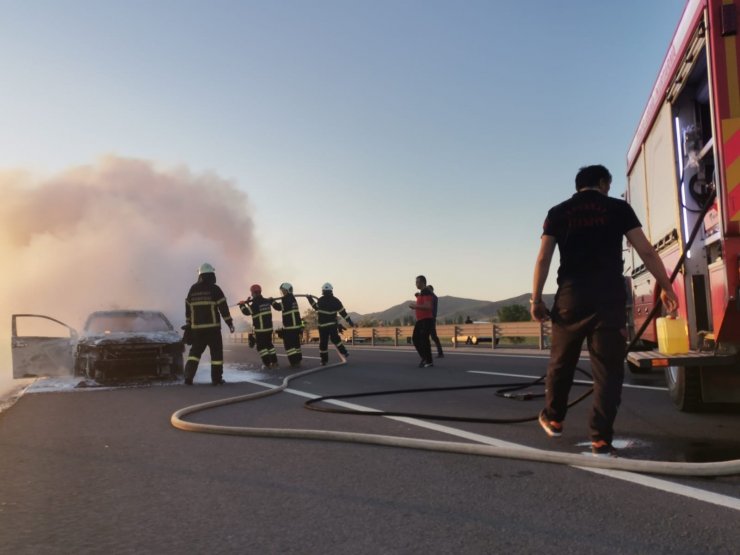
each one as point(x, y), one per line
point(684, 387)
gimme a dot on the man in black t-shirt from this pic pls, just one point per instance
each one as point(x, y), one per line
point(590, 302)
point(433, 332)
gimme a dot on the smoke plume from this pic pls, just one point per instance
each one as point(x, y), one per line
point(121, 233)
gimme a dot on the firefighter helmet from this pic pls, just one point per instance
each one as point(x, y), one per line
point(206, 268)
point(255, 289)
point(327, 287)
point(285, 286)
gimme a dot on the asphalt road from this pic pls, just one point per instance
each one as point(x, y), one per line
point(104, 471)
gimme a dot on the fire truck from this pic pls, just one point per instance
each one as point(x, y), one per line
point(683, 181)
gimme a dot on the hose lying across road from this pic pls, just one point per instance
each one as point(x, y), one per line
point(723, 468)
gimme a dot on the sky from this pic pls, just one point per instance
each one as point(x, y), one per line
point(356, 142)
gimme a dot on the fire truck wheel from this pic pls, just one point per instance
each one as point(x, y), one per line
point(684, 387)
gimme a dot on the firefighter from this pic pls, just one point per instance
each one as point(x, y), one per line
point(292, 324)
point(327, 308)
point(205, 305)
point(259, 309)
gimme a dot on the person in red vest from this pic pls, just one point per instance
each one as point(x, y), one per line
point(424, 307)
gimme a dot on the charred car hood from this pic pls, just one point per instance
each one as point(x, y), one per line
point(125, 338)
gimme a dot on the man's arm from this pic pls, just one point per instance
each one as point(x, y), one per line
point(423, 302)
point(538, 308)
point(654, 264)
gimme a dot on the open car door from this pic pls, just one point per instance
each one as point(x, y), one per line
point(41, 346)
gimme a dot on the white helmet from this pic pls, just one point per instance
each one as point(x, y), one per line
point(285, 286)
point(327, 287)
point(206, 268)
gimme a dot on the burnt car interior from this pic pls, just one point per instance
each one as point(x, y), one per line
point(126, 322)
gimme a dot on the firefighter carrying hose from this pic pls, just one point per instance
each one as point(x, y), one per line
point(204, 303)
point(292, 324)
point(327, 308)
point(259, 309)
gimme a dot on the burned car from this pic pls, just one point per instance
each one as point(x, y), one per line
point(114, 344)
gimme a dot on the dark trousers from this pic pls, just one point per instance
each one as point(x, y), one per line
point(325, 334)
point(265, 348)
point(603, 328)
point(420, 337)
point(433, 335)
point(211, 338)
point(292, 344)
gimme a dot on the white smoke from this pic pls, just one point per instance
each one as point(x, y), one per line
point(121, 233)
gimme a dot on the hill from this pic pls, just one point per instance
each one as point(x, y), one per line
point(450, 310)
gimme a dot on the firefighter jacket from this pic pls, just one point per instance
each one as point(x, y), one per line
point(205, 305)
point(260, 311)
point(327, 307)
point(291, 314)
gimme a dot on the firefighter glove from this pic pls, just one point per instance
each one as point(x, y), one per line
point(187, 335)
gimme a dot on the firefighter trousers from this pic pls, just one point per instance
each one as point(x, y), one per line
point(325, 334)
point(265, 348)
point(292, 344)
point(211, 338)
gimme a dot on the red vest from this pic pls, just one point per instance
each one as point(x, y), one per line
point(424, 305)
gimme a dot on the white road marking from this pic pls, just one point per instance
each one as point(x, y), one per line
point(670, 487)
point(492, 353)
point(633, 386)
point(640, 479)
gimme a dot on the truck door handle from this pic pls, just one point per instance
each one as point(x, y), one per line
point(19, 344)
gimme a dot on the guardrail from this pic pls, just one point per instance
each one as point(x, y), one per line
point(465, 334)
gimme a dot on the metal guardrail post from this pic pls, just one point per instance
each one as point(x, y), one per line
point(456, 330)
point(398, 332)
point(372, 336)
point(542, 336)
point(493, 336)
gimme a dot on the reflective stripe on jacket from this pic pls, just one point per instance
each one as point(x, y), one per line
point(261, 312)
point(291, 314)
point(205, 305)
point(327, 308)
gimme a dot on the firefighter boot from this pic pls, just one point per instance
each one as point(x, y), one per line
point(217, 374)
point(191, 366)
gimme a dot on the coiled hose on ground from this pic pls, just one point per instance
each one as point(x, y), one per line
point(723, 468)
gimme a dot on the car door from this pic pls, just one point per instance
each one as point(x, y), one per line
point(41, 346)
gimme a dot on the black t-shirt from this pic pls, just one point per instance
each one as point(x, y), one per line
point(588, 229)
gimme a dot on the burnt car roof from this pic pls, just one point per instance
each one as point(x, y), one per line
point(144, 314)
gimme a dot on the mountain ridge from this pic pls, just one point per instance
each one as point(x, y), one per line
point(449, 310)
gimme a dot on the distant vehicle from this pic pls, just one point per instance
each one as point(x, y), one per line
point(114, 344)
point(473, 333)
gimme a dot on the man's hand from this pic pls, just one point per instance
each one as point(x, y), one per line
point(669, 300)
point(539, 311)
point(231, 328)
